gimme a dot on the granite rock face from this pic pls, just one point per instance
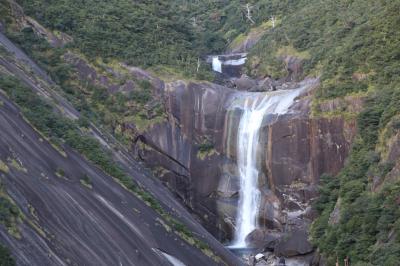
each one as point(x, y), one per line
point(67, 222)
point(198, 162)
point(186, 150)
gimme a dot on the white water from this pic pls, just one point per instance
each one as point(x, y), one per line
point(255, 107)
point(216, 64)
point(236, 62)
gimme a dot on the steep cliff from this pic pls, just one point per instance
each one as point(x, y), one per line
point(65, 218)
point(330, 161)
point(195, 158)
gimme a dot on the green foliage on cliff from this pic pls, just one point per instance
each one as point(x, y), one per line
point(5, 257)
point(206, 148)
point(352, 44)
point(9, 213)
point(368, 230)
point(60, 129)
point(93, 100)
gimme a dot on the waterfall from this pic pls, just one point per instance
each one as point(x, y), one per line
point(236, 62)
point(256, 109)
point(216, 64)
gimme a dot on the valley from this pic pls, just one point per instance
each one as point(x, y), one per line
point(193, 133)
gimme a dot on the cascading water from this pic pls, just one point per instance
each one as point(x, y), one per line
point(216, 64)
point(231, 60)
point(256, 108)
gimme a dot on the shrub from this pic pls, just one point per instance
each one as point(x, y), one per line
point(5, 257)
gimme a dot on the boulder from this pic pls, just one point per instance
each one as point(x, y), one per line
point(261, 263)
point(267, 84)
point(244, 83)
point(264, 239)
point(294, 244)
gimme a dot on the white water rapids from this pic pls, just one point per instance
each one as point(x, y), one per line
point(255, 107)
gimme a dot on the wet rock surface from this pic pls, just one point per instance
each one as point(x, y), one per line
point(263, 239)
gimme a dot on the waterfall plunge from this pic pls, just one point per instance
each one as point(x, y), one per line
point(216, 64)
point(255, 109)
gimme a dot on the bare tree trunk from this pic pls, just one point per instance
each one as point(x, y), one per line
point(248, 7)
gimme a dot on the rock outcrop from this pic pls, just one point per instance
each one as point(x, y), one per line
point(298, 149)
point(186, 151)
point(296, 243)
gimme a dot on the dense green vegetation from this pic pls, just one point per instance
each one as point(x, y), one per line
point(5, 257)
point(368, 229)
point(9, 212)
point(149, 33)
point(142, 33)
point(352, 45)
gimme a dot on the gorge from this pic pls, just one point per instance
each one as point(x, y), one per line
point(257, 133)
